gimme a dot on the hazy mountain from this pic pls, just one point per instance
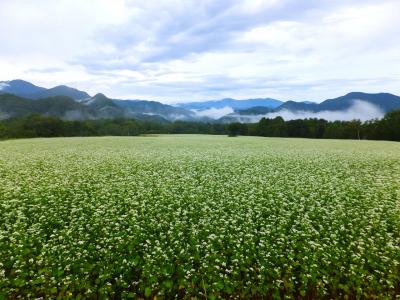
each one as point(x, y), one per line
point(361, 106)
point(59, 106)
point(384, 101)
point(96, 107)
point(61, 90)
point(298, 106)
point(19, 87)
point(69, 103)
point(153, 108)
point(28, 90)
point(257, 110)
point(99, 101)
point(233, 103)
point(104, 107)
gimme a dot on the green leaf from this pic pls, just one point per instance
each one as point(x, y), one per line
point(147, 292)
point(135, 260)
point(168, 284)
point(212, 297)
point(219, 285)
point(19, 282)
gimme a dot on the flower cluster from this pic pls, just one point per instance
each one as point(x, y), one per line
point(199, 217)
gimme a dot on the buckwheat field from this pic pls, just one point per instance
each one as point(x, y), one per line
point(199, 217)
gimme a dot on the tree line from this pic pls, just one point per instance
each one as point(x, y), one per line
point(387, 128)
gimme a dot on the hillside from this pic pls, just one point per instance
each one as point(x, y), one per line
point(384, 101)
point(20, 88)
point(59, 106)
point(61, 90)
point(80, 105)
point(97, 107)
point(233, 103)
point(153, 108)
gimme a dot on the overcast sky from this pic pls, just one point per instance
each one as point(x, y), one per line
point(177, 51)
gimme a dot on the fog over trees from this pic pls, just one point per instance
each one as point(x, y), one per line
point(387, 128)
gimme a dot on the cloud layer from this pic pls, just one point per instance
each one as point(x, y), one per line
point(360, 110)
point(175, 51)
point(214, 113)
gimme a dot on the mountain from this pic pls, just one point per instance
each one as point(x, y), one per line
point(99, 101)
point(69, 103)
point(104, 107)
point(153, 108)
point(233, 103)
point(97, 107)
point(28, 90)
point(384, 101)
point(59, 106)
point(61, 90)
point(19, 87)
point(256, 110)
point(298, 106)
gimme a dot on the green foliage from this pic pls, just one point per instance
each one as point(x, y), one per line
point(200, 217)
point(235, 129)
point(43, 126)
point(390, 126)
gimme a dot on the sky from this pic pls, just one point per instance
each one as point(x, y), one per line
point(180, 51)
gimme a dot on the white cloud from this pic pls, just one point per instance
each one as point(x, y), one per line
point(173, 50)
point(360, 110)
point(214, 113)
point(3, 85)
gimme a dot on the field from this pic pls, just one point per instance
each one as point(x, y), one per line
point(203, 217)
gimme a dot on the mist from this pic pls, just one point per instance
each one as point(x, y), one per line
point(3, 85)
point(214, 113)
point(360, 110)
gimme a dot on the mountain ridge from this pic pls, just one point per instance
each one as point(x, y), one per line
point(233, 103)
point(100, 106)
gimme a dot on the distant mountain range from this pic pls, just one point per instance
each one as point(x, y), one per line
point(28, 90)
point(20, 98)
point(386, 102)
point(233, 103)
point(16, 100)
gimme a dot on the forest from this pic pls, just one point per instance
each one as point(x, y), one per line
point(387, 128)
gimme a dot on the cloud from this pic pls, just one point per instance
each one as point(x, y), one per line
point(46, 70)
point(171, 50)
point(360, 110)
point(3, 85)
point(214, 113)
